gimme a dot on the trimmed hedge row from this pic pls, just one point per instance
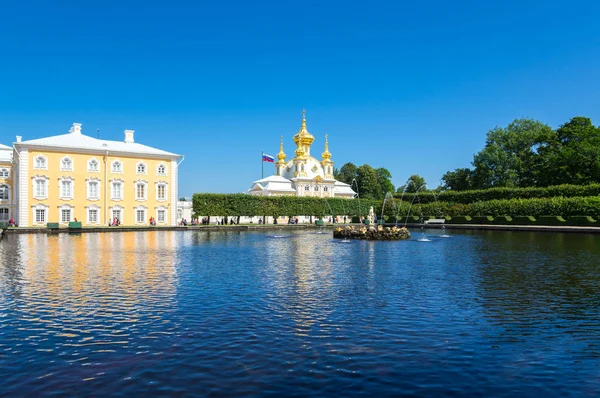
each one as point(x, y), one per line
point(525, 220)
point(465, 197)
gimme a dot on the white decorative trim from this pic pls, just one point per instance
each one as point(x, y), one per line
point(65, 207)
point(39, 207)
point(87, 188)
point(117, 207)
point(35, 162)
point(5, 169)
point(165, 190)
point(135, 218)
point(166, 210)
point(67, 168)
point(9, 213)
point(87, 214)
point(135, 192)
point(174, 192)
point(144, 168)
point(8, 200)
point(158, 173)
point(112, 167)
point(89, 169)
point(22, 191)
point(112, 192)
point(60, 190)
point(40, 178)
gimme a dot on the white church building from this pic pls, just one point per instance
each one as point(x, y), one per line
point(304, 175)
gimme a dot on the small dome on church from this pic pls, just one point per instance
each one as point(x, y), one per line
point(326, 155)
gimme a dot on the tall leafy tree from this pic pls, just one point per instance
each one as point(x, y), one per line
point(368, 182)
point(347, 173)
point(510, 157)
point(573, 155)
point(414, 183)
point(385, 181)
point(458, 180)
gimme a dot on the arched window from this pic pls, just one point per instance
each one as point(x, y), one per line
point(4, 173)
point(4, 192)
point(93, 165)
point(141, 168)
point(161, 170)
point(306, 188)
point(316, 188)
point(40, 162)
point(117, 167)
point(66, 164)
point(325, 189)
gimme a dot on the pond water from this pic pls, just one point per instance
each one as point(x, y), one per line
point(296, 313)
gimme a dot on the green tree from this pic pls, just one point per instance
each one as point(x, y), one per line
point(458, 180)
point(385, 181)
point(368, 182)
point(413, 184)
point(347, 173)
point(573, 155)
point(510, 157)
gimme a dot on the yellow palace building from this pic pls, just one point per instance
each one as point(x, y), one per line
point(72, 176)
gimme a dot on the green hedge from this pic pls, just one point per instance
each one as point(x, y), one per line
point(465, 197)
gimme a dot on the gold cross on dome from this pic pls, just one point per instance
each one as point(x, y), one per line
point(303, 113)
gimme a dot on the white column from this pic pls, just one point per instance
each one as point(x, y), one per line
point(174, 193)
point(23, 189)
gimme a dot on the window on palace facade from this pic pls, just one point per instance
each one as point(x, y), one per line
point(92, 214)
point(161, 215)
point(65, 215)
point(93, 165)
point(40, 187)
point(306, 188)
point(140, 215)
point(4, 215)
point(40, 162)
point(66, 189)
point(161, 170)
point(141, 168)
point(66, 164)
point(4, 192)
point(161, 191)
point(93, 190)
point(316, 188)
point(117, 213)
point(325, 189)
point(4, 173)
point(117, 167)
point(116, 190)
point(140, 191)
point(40, 215)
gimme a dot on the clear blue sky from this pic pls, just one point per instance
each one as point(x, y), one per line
point(410, 86)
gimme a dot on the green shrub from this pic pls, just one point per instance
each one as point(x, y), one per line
point(550, 220)
point(582, 221)
point(523, 220)
point(482, 220)
point(459, 220)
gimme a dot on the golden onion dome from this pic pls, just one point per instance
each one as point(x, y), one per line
point(303, 137)
point(281, 154)
point(326, 155)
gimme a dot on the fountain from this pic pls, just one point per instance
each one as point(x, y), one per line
point(371, 233)
point(388, 195)
point(411, 203)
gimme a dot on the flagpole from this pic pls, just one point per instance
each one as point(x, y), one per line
point(262, 164)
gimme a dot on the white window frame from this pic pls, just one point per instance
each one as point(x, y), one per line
point(4, 172)
point(87, 214)
point(112, 190)
point(120, 209)
point(164, 166)
point(112, 167)
point(60, 188)
point(144, 169)
point(34, 181)
point(325, 189)
point(145, 216)
point(8, 192)
point(35, 162)
point(166, 190)
point(71, 215)
point(135, 192)
point(165, 209)
point(7, 219)
point(71, 166)
point(89, 169)
point(88, 184)
point(40, 207)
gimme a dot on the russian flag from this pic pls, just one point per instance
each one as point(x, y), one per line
point(268, 158)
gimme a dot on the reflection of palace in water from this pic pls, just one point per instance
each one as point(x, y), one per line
point(136, 267)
